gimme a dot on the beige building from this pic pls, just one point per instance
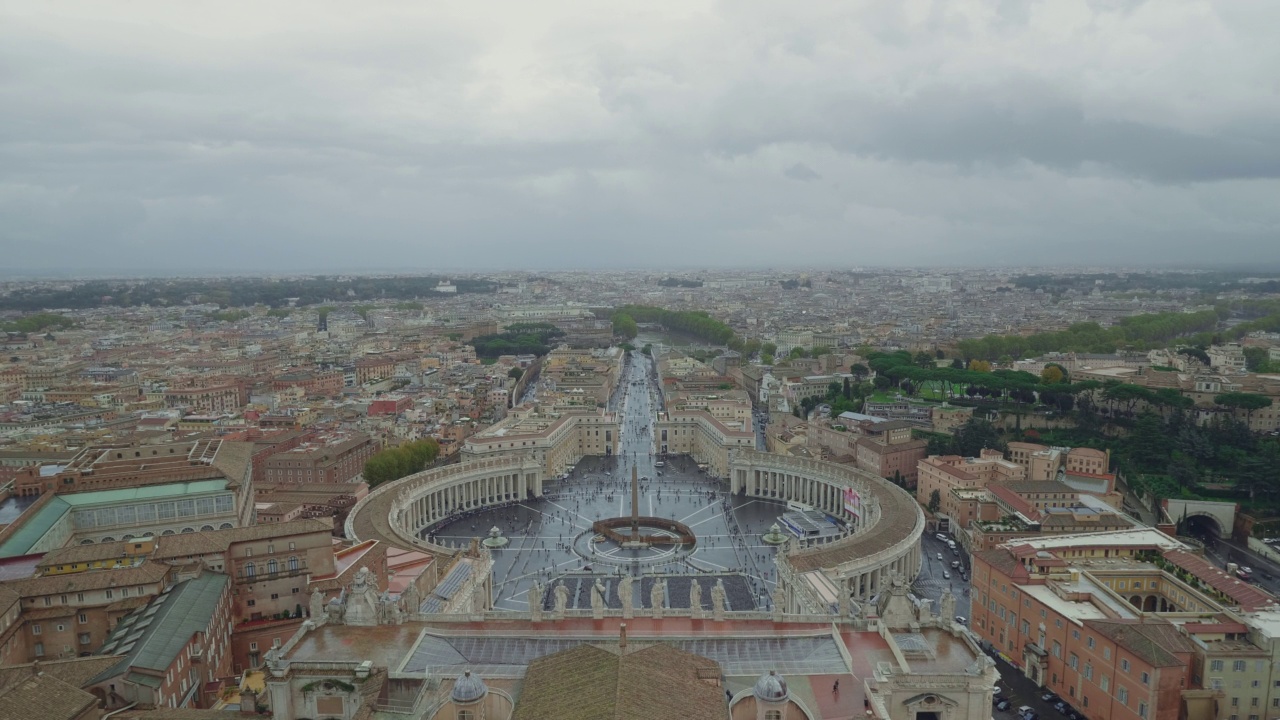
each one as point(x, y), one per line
point(554, 441)
point(701, 435)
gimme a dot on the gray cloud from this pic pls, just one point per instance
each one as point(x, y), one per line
point(303, 136)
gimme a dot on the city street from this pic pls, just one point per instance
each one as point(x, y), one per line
point(931, 582)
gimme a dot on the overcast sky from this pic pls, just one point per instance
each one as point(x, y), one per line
point(299, 136)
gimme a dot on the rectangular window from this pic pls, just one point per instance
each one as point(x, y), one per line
point(1216, 666)
point(1105, 684)
point(1146, 679)
point(38, 650)
point(1142, 710)
point(1124, 665)
point(36, 629)
point(1089, 642)
point(1074, 662)
point(1122, 694)
point(84, 638)
point(1238, 666)
point(82, 618)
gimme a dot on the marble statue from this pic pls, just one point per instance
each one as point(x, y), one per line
point(695, 598)
point(562, 598)
point(624, 595)
point(656, 595)
point(842, 604)
point(333, 611)
point(598, 592)
point(412, 599)
point(363, 604)
point(535, 601)
point(317, 605)
point(718, 600)
point(947, 606)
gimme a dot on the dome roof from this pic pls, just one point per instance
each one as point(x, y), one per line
point(468, 689)
point(771, 687)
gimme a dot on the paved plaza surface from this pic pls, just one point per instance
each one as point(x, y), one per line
point(551, 538)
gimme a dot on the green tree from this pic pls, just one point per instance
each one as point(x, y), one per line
point(924, 360)
point(515, 373)
point(625, 326)
point(769, 348)
point(975, 435)
point(935, 502)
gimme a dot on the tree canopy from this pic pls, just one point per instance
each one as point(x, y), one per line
point(400, 461)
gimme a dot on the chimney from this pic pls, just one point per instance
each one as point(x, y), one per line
point(622, 639)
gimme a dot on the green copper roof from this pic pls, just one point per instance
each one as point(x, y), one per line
point(151, 637)
point(30, 530)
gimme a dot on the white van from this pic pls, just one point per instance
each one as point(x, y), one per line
point(659, 464)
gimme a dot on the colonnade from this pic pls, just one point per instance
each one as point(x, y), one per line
point(456, 495)
point(885, 541)
point(425, 498)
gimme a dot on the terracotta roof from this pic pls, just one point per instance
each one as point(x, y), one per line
point(46, 697)
point(233, 459)
point(73, 671)
point(86, 553)
point(148, 572)
point(1014, 500)
point(178, 714)
point(1153, 643)
point(589, 683)
point(217, 541)
point(1247, 597)
point(1002, 561)
point(1222, 627)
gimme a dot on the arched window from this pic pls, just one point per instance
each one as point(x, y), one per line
point(272, 566)
point(470, 715)
point(772, 715)
point(250, 570)
point(293, 563)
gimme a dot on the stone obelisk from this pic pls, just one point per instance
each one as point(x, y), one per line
point(635, 504)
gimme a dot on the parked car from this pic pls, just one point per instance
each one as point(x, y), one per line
point(1002, 705)
point(961, 619)
point(1050, 697)
point(1061, 707)
point(955, 564)
point(941, 537)
point(946, 575)
point(1026, 712)
point(939, 556)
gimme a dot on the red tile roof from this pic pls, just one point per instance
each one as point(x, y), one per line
point(1248, 597)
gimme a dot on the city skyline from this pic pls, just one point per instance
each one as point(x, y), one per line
point(306, 139)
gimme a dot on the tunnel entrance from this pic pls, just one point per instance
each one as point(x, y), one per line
point(1203, 528)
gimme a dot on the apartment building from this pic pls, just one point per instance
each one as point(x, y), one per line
point(70, 614)
point(313, 383)
point(947, 473)
point(554, 441)
point(328, 458)
point(175, 651)
point(706, 438)
point(1125, 625)
point(888, 450)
